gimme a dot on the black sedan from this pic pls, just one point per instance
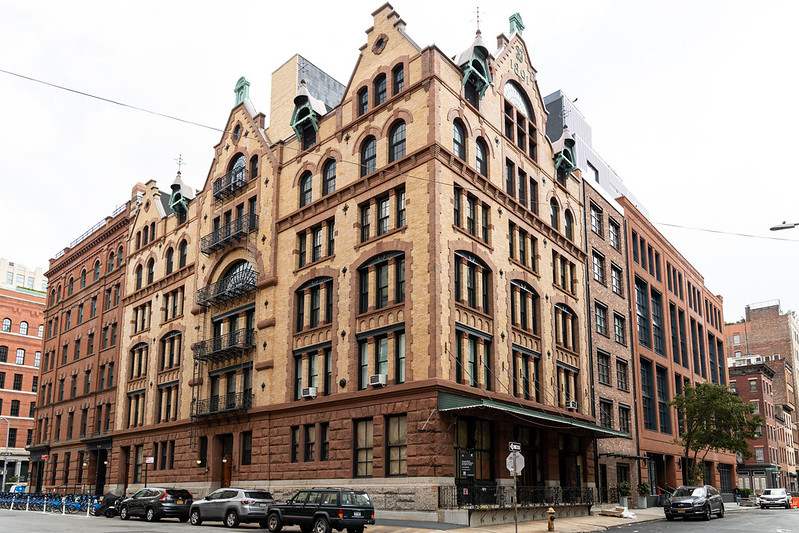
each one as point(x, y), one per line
point(155, 503)
point(702, 501)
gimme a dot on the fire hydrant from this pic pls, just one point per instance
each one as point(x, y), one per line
point(550, 519)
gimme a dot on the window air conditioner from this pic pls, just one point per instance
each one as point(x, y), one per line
point(571, 405)
point(309, 392)
point(378, 380)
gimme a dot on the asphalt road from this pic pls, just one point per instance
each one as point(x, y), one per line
point(757, 520)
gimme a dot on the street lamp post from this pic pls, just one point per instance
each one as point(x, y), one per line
point(5, 456)
point(784, 225)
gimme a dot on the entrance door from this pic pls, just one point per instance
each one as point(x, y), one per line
point(227, 459)
point(603, 483)
point(100, 458)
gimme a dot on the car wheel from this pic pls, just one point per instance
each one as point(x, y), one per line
point(321, 525)
point(706, 516)
point(149, 515)
point(669, 517)
point(124, 514)
point(195, 518)
point(721, 511)
point(232, 518)
point(274, 523)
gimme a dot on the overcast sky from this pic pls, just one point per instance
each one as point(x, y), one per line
point(693, 103)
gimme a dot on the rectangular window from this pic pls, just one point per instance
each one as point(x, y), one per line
point(621, 375)
point(382, 215)
point(397, 444)
point(613, 234)
point(363, 364)
point(363, 448)
point(485, 214)
point(310, 442)
point(331, 237)
point(635, 246)
point(381, 289)
point(316, 248)
point(598, 262)
point(624, 419)
point(295, 444)
point(657, 323)
point(365, 222)
point(399, 351)
point(596, 219)
point(616, 281)
point(663, 400)
point(401, 218)
point(603, 366)
point(642, 313)
point(510, 172)
point(302, 253)
point(601, 315)
point(606, 413)
point(324, 430)
point(457, 205)
point(647, 395)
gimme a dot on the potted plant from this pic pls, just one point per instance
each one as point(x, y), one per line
point(643, 492)
point(624, 492)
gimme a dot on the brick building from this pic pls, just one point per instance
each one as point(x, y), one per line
point(78, 375)
point(678, 340)
point(768, 466)
point(22, 315)
point(610, 341)
point(380, 288)
point(771, 337)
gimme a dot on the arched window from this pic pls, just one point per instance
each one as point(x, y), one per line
point(120, 257)
point(52, 297)
point(329, 177)
point(363, 101)
point(238, 172)
point(40, 333)
point(70, 287)
point(565, 327)
point(240, 277)
point(254, 166)
point(459, 140)
point(145, 235)
point(306, 189)
point(368, 156)
point(7, 325)
point(568, 225)
point(398, 75)
point(468, 270)
point(97, 270)
point(321, 304)
point(111, 262)
point(23, 328)
point(139, 270)
point(150, 271)
point(183, 252)
point(170, 259)
point(83, 279)
point(138, 240)
point(380, 89)
point(481, 156)
point(396, 141)
point(554, 214)
point(519, 119)
point(524, 304)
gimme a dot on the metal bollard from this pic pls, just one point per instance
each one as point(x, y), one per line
point(27, 501)
point(63, 505)
point(550, 519)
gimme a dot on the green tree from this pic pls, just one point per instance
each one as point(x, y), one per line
point(713, 419)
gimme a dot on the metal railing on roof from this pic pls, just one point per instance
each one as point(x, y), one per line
point(91, 230)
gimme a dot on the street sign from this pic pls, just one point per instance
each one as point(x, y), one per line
point(514, 447)
point(514, 463)
point(6, 454)
point(149, 460)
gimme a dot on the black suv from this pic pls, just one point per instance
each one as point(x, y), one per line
point(156, 503)
point(320, 510)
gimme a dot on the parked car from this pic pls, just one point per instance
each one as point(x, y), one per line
point(232, 506)
point(322, 509)
point(155, 503)
point(702, 501)
point(774, 498)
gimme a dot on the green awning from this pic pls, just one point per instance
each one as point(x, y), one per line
point(453, 402)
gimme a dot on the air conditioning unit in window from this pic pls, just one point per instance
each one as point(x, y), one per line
point(571, 406)
point(378, 380)
point(309, 392)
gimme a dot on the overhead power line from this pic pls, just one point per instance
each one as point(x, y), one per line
point(747, 235)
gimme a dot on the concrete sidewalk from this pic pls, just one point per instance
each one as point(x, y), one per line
point(576, 524)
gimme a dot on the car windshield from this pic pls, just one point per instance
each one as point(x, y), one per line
point(773, 492)
point(259, 494)
point(179, 493)
point(696, 492)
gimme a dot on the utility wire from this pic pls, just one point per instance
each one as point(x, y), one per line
point(726, 232)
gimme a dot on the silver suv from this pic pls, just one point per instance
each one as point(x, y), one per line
point(232, 506)
point(774, 498)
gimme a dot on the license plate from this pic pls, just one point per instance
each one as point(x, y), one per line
point(681, 512)
point(356, 513)
point(261, 505)
point(179, 502)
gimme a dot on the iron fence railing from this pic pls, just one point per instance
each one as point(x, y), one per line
point(239, 283)
point(501, 497)
point(225, 345)
point(225, 403)
point(230, 183)
point(228, 233)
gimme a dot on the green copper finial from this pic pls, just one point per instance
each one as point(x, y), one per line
point(242, 90)
point(516, 24)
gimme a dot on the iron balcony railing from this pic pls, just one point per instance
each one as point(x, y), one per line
point(226, 403)
point(224, 346)
point(229, 233)
point(237, 284)
point(501, 496)
point(230, 183)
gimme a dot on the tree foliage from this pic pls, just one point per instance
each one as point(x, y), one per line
point(713, 419)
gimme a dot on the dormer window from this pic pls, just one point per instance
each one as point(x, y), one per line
point(476, 73)
point(305, 124)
